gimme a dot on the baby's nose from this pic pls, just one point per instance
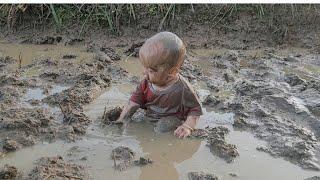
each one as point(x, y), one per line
point(146, 74)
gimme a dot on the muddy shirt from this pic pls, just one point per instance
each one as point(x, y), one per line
point(178, 100)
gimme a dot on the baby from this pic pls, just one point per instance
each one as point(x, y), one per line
point(168, 99)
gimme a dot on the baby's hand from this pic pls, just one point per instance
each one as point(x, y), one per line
point(182, 131)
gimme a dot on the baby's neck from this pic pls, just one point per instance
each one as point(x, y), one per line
point(173, 79)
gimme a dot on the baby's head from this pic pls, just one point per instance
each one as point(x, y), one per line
point(162, 56)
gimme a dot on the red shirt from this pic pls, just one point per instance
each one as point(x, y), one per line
point(178, 100)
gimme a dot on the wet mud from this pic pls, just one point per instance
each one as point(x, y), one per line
point(9, 172)
point(269, 98)
point(57, 168)
point(271, 93)
point(202, 176)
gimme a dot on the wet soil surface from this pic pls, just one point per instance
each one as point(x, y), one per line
point(57, 168)
point(271, 93)
point(202, 176)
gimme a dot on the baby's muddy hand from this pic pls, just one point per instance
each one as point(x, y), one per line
point(182, 132)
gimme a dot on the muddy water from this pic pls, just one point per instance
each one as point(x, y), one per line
point(29, 52)
point(173, 158)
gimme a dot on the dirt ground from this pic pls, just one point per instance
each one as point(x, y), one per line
point(273, 90)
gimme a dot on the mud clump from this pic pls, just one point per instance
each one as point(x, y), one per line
point(110, 52)
point(142, 161)
point(122, 153)
point(57, 168)
point(216, 141)
point(298, 153)
point(74, 116)
point(4, 61)
point(43, 40)
point(24, 126)
point(10, 145)
point(8, 172)
point(190, 71)
point(125, 157)
point(294, 80)
point(69, 56)
point(202, 176)
point(199, 133)
point(313, 178)
point(111, 115)
point(211, 101)
point(134, 49)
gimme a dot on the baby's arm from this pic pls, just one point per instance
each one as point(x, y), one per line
point(127, 112)
point(185, 129)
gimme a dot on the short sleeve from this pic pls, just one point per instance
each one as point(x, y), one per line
point(191, 101)
point(138, 96)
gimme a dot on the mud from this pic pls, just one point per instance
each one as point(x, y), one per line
point(124, 158)
point(313, 178)
point(272, 92)
point(271, 101)
point(111, 115)
point(9, 172)
point(43, 40)
point(57, 168)
point(218, 146)
point(134, 49)
point(199, 133)
point(202, 176)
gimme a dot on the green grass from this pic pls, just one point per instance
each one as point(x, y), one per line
point(113, 16)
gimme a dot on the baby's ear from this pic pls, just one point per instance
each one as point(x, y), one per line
point(173, 71)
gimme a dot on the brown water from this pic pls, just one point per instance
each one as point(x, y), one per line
point(31, 52)
point(173, 157)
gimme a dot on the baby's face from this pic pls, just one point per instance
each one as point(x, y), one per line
point(155, 76)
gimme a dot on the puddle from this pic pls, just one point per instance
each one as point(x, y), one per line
point(38, 94)
point(132, 65)
point(173, 157)
point(31, 52)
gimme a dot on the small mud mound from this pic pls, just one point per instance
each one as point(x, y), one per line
point(111, 115)
point(142, 161)
point(57, 168)
point(216, 141)
point(104, 48)
point(211, 101)
point(24, 126)
point(134, 49)
point(126, 156)
point(202, 176)
point(10, 145)
point(43, 40)
point(74, 116)
point(4, 61)
point(294, 80)
point(199, 133)
point(69, 56)
point(122, 153)
point(8, 172)
point(190, 71)
point(313, 178)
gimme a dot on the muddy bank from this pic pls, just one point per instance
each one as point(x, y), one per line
point(56, 168)
point(48, 104)
point(271, 96)
point(273, 93)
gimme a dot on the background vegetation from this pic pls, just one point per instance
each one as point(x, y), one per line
point(115, 16)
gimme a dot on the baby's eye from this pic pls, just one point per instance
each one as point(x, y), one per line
point(152, 70)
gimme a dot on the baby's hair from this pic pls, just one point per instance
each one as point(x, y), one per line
point(164, 51)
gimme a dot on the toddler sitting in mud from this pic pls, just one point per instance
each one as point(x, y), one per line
point(168, 99)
